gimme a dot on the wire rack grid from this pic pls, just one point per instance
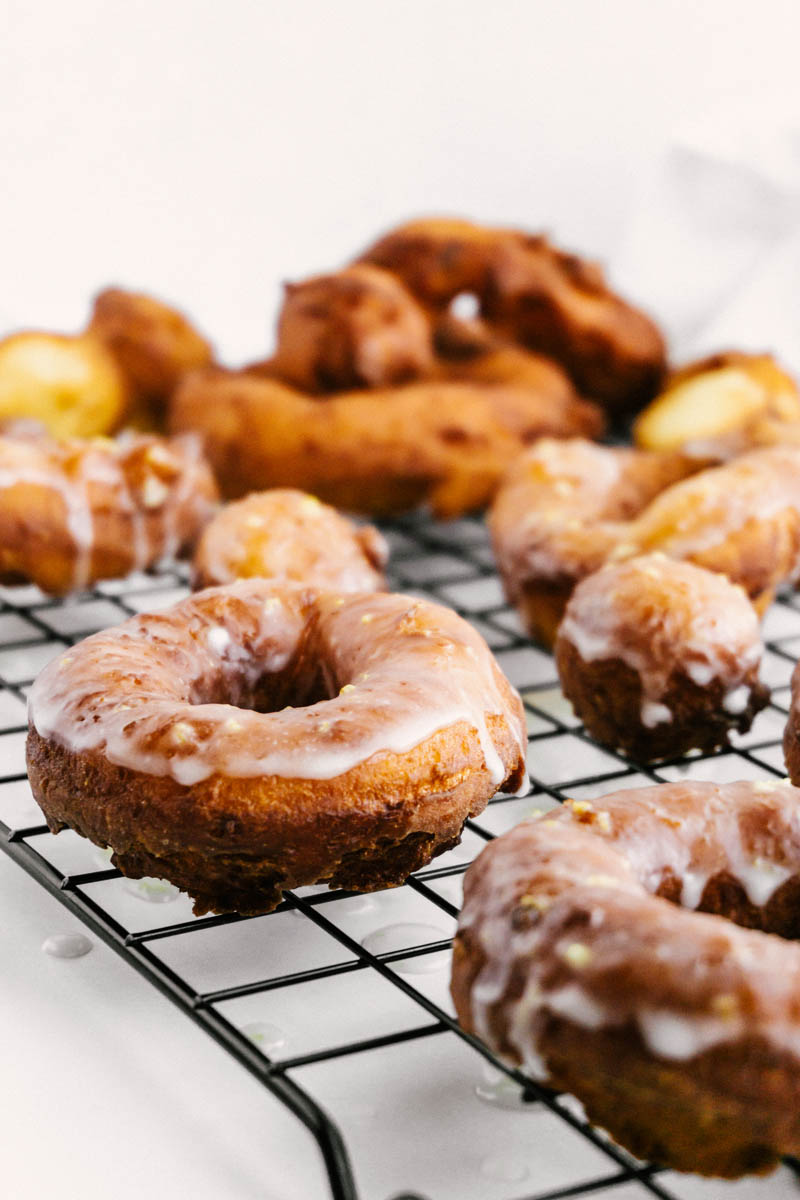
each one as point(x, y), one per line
point(355, 1031)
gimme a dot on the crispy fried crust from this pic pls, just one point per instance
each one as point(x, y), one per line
point(446, 444)
point(573, 960)
point(290, 536)
point(198, 693)
point(359, 327)
point(532, 293)
point(73, 512)
point(154, 345)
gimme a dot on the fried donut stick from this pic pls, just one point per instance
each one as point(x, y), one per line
point(73, 512)
point(532, 293)
point(289, 536)
point(446, 444)
point(359, 327)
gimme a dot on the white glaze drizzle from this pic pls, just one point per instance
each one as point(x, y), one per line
point(695, 819)
point(415, 668)
point(696, 622)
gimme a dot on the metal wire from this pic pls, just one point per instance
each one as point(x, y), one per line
point(450, 563)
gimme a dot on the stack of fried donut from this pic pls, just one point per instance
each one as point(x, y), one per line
point(380, 396)
point(658, 656)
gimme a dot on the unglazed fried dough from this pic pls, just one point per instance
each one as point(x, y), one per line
point(660, 657)
point(71, 386)
point(73, 512)
point(359, 327)
point(290, 537)
point(578, 957)
point(446, 444)
point(170, 740)
point(532, 293)
point(567, 508)
point(721, 406)
point(154, 344)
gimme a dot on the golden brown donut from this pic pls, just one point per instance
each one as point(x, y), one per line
point(722, 405)
point(173, 740)
point(561, 511)
point(153, 343)
point(442, 443)
point(358, 327)
point(567, 508)
point(659, 657)
point(70, 385)
point(290, 537)
point(73, 512)
point(530, 292)
point(580, 958)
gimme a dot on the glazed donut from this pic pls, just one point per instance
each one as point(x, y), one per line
point(567, 508)
point(173, 740)
point(532, 293)
point(289, 537)
point(660, 657)
point(73, 512)
point(561, 511)
point(154, 345)
point(359, 327)
point(446, 444)
point(578, 957)
point(721, 406)
point(70, 386)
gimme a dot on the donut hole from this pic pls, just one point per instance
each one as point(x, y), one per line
point(299, 684)
point(725, 896)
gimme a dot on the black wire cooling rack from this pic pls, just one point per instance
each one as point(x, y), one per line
point(389, 1055)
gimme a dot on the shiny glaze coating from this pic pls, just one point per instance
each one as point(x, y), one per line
point(593, 948)
point(76, 511)
point(290, 537)
point(259, 737)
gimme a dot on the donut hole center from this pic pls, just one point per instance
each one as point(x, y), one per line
point(297, 685)
point(724, 895)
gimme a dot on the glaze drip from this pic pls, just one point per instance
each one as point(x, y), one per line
point(176, 693)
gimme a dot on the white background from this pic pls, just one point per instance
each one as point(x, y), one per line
point(207, 151)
